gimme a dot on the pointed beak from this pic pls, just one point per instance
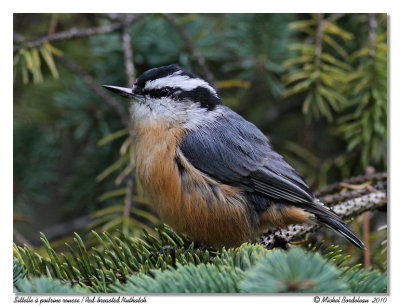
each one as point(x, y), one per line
point(123, 91)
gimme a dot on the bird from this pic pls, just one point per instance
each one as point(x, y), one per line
point(211, 174)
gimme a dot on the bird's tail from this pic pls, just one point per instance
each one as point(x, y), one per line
point(326, 216)
point(340, 227)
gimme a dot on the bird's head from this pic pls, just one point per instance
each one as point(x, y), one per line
point(172, 94)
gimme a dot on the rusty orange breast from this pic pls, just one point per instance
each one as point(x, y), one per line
point(188, 200)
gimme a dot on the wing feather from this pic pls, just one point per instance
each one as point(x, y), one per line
point(234, 151)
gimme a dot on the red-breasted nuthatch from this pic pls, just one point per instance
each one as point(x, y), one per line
point(210, 173)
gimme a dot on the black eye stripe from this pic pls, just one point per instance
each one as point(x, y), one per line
point(158, 92)
point(202, 95)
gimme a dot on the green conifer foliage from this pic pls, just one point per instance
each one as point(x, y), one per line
point(167, 264)
point(316, 70)
point(363, 124)
point(18, 271)
point(204, 278)
point(46, 285)
point(293, 271)
point(366, 281)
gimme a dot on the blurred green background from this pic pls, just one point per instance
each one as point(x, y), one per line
point(315, 84)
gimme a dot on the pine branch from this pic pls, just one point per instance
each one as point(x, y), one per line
point(368, 198)
point(75, 33)
point(129, 194)
point(332, 18)
point(128, 54)
point(375, 178)
point(317, 72)
point(318, 41)
point(130, 76)
point(95, 86)
point(192, 48)
point(113, 259)
point(336, 16)
point(371, 33)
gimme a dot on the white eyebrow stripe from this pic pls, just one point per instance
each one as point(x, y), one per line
point(176, 80)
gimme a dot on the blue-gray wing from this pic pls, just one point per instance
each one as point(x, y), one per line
point(234, 151)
